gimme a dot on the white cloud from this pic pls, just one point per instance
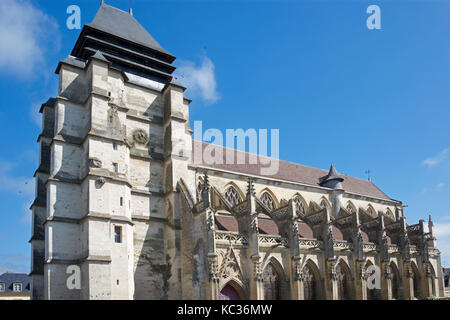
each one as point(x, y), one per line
point(443, 245)
point(440, 186)
point(442, 229)
point(442, 233)
point(200, 80)
point(35, 115)
point(26, 35)
point(441, 157)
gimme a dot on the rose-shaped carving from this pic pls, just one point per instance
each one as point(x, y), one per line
point(140, 136)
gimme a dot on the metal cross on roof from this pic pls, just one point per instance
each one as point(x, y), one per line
point(368, 174)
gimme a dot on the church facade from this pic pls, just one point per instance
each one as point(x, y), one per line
point(119, 198)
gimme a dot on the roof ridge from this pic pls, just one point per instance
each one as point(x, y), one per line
point(118, 22)
point(118, 9)
point(287, 161)
point(262, 156)
point(312, 172)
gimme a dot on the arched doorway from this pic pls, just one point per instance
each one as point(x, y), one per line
point(395, 281)
point(271, 280)
point(229, 293)
point(344, 281)
point(310, 283)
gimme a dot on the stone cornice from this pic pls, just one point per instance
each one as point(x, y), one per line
point(90, 258)
point(90, 215)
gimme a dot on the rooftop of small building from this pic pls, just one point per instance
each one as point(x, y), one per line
point(9, 278)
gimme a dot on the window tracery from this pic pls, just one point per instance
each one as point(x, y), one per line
point(232, 196)
point(271, 282)
point(268, 200)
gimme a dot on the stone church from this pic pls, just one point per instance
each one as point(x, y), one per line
point(119, 197)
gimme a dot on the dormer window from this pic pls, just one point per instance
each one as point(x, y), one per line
point(17, 287)
point(2, 287)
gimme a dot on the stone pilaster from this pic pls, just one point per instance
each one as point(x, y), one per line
point(386, 281)
point(256, 282)
point(297, 285)
point(331, 291)
point(331, 285)
point(408, 281)
point(360, 281)
point(213, 271)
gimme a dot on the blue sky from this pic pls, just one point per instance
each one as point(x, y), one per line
point(339, 93)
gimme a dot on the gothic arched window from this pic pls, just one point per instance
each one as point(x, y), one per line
point(271, 283)
point(395, 282)
point(323, 204)
point(309, 284)
point(199, 187)
point(343, 279)
point(268, 200)
point(350, 208)
point(390, 214)
point(416, 281)
point(299, 206)
point(371, 211)
point(232, 196)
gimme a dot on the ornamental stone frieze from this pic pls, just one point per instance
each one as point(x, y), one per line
point(213, 268)
point(257, 269)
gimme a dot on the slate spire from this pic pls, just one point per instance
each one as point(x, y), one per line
point(332, 179)
point(124, 42)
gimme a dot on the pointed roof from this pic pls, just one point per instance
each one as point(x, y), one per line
point(332, 175)
point(123, 25)
point(117, 37)
point(9, 278)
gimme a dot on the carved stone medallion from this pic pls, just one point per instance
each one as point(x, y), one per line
point(140, 136)
point(95, 163)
